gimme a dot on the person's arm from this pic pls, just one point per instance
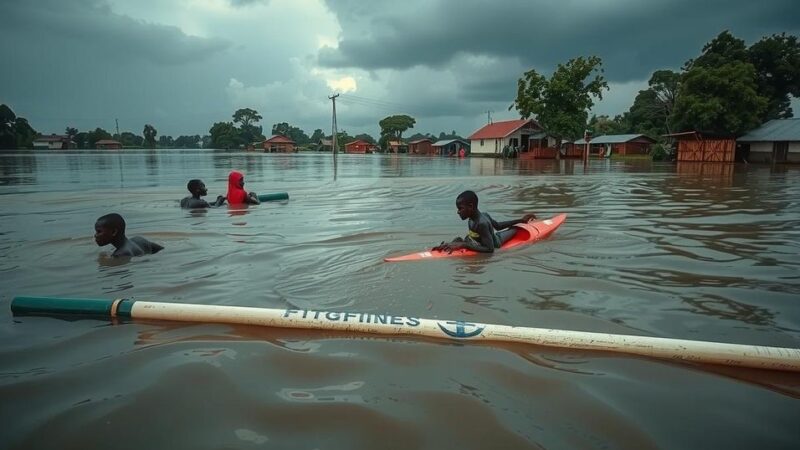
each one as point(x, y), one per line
point(252, 198)
point(146, 246)
point(220, 201)
point(484, 244)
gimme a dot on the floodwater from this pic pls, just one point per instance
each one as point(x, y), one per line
point(694, 252)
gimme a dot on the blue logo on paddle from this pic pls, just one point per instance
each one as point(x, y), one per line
point(461, 329)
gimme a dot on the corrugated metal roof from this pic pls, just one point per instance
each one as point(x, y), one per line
point(614, 139)
point(444, 142)
point(774, 130)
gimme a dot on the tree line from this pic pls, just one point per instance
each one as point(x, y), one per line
point(729, 89)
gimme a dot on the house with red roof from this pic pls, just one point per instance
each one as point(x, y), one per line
point(358, 146)
point(279, 144)
point(108, 144)
point(494, 137)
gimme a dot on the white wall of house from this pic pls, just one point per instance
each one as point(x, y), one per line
point(762, 152)
point(766, 147)
point(486, 146)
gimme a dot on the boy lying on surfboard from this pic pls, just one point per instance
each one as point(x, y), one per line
point(485, 234)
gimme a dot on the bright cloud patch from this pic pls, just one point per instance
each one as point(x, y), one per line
point(344, 84)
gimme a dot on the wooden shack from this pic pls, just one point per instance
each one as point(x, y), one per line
point(699, 147)
point(421, 147)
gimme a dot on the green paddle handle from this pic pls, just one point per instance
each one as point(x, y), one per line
point(272, 197)
point(75, 307)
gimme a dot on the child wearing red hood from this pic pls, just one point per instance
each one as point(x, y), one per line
point(236, 192)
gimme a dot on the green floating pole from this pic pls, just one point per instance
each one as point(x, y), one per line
point(76, 307)
point(273, 196)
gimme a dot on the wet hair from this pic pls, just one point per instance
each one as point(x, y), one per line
point(193, 184)
point(112, 220)
point(469, 197)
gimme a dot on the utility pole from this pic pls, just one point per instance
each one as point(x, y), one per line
point(488, 117)
point(334, 131)
point(117, 122)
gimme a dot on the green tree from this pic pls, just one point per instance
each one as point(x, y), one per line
point(601, 125)
point(777, 62)
point(365, 137)
point(71, 132)
point(294, 133)
point(318, 134)
point(81, 139)
point(718, 91)
point(149, 134)
point(246, 117)
point(166, 142)
point(561, 104)
point(97, 135)
point(128, 139)
point(187, 141)
point(225, 135)
point(392, 127)
point(15, 132)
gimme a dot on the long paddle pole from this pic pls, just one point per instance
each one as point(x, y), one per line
point(775, 358)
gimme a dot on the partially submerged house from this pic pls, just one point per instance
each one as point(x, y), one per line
point(618, 144)
point(108, 144)
point(279, 144)
point(421, 147)
point(540, 146)
point(491, 139)
point(777, 141)
point(358, 146)
point(397, 147)
point(450, 147)
point(703, 147)
point(53, 142)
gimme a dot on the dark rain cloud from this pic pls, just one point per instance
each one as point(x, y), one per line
point(633, 37)
point(93, 28)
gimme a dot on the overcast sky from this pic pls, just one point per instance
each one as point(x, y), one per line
point(182, 65)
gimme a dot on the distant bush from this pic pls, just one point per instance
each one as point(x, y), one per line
point(659, 153)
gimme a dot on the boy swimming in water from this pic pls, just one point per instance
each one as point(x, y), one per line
point(198, 189)
point(485, 234)
point(110, 229)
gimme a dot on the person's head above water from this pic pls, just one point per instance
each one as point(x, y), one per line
point(109, 229)
point(197, 188)
point(466, 204)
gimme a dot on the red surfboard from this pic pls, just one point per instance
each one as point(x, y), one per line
point(527, 233)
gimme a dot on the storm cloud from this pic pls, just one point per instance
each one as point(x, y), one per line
point(633, 37)
point(183, 65)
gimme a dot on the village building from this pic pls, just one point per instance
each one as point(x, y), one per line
point(358, 146)
point(617, 144)
point(540, 146)
point(777, 141)
point(421, 147)
point(53, 142)
point(494, 138)
point(108, 144)
point(325, 145)
point(702, 147)
point(397, 147)
point(279, 144)
point(450, 147)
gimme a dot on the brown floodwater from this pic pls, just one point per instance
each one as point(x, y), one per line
point(690, 251)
